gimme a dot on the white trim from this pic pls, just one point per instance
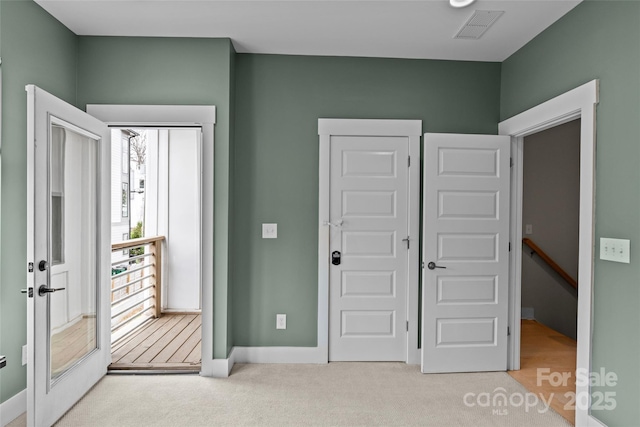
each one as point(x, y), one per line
point(183, 115)
point(221, 368)
point(13, 407)
point(315, 355)
point(369, 127)
point(326, 128)
point(413, 292)
point(593, 422)
point(577, 103)
point(153, 115)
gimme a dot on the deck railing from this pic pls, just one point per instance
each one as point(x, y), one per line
point(136, 278)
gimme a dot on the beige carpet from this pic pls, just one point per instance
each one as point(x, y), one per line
point(337, 394)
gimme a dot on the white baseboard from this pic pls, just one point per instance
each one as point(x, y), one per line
point(315, 355)
point(527, 313)
point(13, 408)
point(221, 368)
point(594, 422)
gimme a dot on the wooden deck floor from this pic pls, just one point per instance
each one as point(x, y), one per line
point(542, 347)
point(171, 342)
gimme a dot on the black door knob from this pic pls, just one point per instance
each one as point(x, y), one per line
point(432, 266)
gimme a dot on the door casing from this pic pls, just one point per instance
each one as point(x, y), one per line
point(191, 116)
point(579, 103)
point(412, 129)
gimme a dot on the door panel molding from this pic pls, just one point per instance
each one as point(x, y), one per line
point(355, 127)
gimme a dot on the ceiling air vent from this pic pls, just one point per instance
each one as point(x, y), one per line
point(478, 24)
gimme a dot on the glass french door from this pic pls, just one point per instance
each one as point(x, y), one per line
point(68, 252)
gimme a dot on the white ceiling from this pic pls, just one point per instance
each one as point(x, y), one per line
point(387, 28)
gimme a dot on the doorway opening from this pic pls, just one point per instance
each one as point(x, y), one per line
point(549, 264)
point(156, 250)
point(579, 103)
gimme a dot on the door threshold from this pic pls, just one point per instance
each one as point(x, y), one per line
point(154, 372)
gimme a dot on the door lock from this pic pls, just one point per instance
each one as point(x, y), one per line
point(43, 265)
point(42, 290)
point(335, 257)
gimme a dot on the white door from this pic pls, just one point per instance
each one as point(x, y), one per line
point(369, 226)
point(68, 251)
point(465, 253)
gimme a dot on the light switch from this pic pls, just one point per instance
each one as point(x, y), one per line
point(616, 250)
point(269, 231)
point(528, 229)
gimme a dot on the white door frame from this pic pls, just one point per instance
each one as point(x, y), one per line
point(412, 129)
point(579, 103)
point(194, 116)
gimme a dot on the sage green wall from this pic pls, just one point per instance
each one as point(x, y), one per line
point(130, 70)
point(278, 102)
point(599, 39)
point(36, 49)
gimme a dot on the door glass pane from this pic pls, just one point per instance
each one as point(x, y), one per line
point(73, 247)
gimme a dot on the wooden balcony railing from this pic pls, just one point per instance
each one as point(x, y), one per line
point(136, 278)
point(554, 265)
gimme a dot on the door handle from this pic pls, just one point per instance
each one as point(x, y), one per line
point(44, 290)
point(432, 266)
point(337, 224)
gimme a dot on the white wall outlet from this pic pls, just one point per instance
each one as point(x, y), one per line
point(269, 231)
point(528, 229)
point(24, 355)
point(281, 321)
point(616, 250)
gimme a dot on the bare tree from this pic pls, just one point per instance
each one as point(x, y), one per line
point(139, 148)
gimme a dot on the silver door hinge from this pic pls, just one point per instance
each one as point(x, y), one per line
point(510, 162)
point(409, 161)
point(509, 246)
point(407, 240)
point(508, 331)
point(407, 326)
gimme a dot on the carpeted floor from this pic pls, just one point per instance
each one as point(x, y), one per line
point(337, 394)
